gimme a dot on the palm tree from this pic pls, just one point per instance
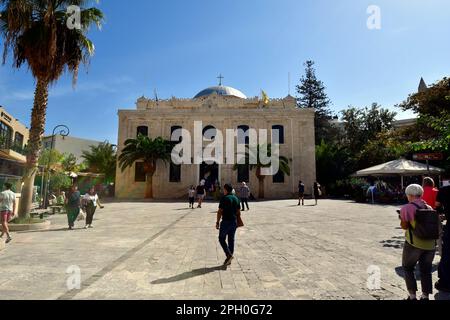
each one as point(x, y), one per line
point(149, 151)
point(36, 33)
point(102, 159)
point(258, 166)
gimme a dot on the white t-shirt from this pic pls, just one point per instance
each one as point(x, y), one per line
point(93, 198)
point(7, 199)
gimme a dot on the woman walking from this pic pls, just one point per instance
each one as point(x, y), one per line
point(73, 205)
point(91, 202)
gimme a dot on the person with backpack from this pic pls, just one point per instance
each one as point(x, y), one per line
point(421, 225)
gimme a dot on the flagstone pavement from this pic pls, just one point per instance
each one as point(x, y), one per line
point(337, 250)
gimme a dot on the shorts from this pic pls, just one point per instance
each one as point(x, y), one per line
point(201, 196)
point(301, 194)
point(6, 215)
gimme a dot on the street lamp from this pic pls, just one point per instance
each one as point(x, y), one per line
point(63, 131)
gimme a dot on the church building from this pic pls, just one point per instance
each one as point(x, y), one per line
point(219, 108)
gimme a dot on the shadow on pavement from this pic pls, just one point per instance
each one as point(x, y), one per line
point(190, 274)
point(395, 242)
point(399, 271)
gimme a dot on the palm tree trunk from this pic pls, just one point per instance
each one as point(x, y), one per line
point(149, 187)
point(34, 146)
point(260, 177)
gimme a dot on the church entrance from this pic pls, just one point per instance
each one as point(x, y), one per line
point(209, 174)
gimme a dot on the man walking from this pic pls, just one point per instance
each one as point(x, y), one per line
point(301, 193)
point(443, 203)
point(244, 192)
point(229, 211)
point(7, 209)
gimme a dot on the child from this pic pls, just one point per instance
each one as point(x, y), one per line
point(191, 197)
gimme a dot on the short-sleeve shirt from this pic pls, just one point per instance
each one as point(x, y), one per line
point(230, 205)
point(429, 196)
point(443, 198)
point(408, 214)
point(200, 190)
point(301, 188)
point(87, 197)
point(7, 199)
point(73, 201)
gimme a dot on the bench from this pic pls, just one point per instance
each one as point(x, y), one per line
point(56, 209)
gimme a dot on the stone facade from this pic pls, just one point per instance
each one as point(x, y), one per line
point(222, 112)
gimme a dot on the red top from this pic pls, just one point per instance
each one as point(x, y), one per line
point(430, 195)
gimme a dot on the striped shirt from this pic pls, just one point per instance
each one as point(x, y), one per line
point(244, 192)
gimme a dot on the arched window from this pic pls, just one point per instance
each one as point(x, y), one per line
point(243, 136)
point(172, 130)
point(280, 129)
point(279, 177)
point(209, 132)
point(243, 173)
point(142, 130)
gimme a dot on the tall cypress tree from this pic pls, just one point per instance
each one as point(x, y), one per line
point(311, 94)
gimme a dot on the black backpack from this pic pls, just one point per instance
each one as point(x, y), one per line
point(427, 224)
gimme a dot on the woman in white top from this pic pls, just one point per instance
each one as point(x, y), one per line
point(91, 202)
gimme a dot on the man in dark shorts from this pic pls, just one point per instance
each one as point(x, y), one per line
point(229, 211)
point(301, 193)
point(443, 204)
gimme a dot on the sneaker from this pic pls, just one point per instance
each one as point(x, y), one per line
point(91, 227)
point(424, 299)
point(8, 240)
point(86, 227)
point(228, 261)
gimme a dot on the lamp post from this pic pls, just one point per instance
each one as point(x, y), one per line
point(63, 131)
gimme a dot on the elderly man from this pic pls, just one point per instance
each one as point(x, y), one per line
point(416, 250)
point(244, 193)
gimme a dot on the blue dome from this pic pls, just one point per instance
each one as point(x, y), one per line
point(221, 91)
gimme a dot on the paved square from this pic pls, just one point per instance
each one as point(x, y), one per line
point(166, 251)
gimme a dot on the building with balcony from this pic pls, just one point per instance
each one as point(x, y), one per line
point(14, 136)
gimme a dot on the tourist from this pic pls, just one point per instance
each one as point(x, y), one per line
point(229, 211)
point(73, 204)
point(91, 201)
point(7, 209)
point(443, 203)
point(201, 193)
point(317, 191)
point(191, 195)
point(244, 193)
point(61, 199)
point(429, 192)
point(416, 250)
point(301, 193)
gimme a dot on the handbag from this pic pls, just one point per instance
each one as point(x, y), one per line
point(81, 215)
point(240, 223)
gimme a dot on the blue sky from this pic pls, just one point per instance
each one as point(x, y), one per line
point(179, 47)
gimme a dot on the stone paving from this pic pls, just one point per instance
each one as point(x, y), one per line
point(166, 251)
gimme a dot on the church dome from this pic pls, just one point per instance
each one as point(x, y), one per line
point(221, 91)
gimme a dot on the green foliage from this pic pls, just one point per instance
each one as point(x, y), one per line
point(147, 150)
point(312, 94)
point(363, 125)
point(101, 159)
point(50, 158)
point(69, 163)
point(433, 101)
point(59, 180)
point(255, 154)
point(441, 125)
